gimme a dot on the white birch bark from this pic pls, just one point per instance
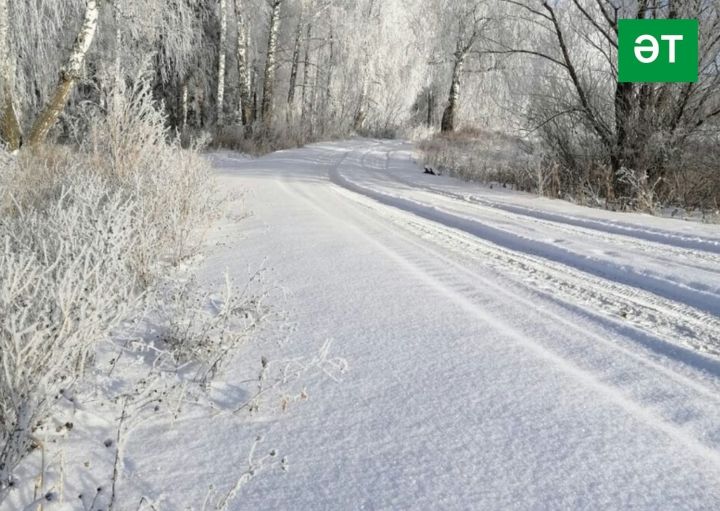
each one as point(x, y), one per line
point(328, 99)
point(448, 118)
point(243, 68)
point(185, 94)
point(306, 75)
point(221, 64)
point(295, 66)
point(9, 126)
point(269, 80)
point(69, 74)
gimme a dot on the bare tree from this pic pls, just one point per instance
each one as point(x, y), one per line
point(641, 117)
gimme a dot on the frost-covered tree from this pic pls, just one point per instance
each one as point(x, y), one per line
point(466, 21)
point(69, 75)
point(268, 98)
point(580, 102)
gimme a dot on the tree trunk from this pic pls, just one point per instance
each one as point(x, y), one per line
point(10, 131)
point(69, 74)
point(269, 79)
point(306, 76)
point(243, 68)
point(430, 105)
point(184, 106)
point(254, 93)
point(294, 68)
point(328, 100)
point(221, 64)
point(199, 100)
point(448, 118)
point(359, 119)
point(623, 108)
point(315, 104)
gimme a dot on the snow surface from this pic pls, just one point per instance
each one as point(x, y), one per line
point(505, 351)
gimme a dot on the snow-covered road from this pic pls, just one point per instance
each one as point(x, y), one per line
point(506, 352)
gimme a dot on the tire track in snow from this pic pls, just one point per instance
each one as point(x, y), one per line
point(668, 239)
point(676, 324)
point(659, 251)
point(694, 298)
point(640, 386)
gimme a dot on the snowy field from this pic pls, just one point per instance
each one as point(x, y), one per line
point(505, 352)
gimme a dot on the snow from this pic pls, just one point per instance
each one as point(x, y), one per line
point(505, 351)
point(476, 383)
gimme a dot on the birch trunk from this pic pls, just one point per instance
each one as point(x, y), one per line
point(360, 114)
point(184, 106)
point(448, 118)
point(254, 93)
point(328, 100)
point(243, 68)
point(306, 75)
point(69, 74)
point(316, 98)
point(199, 101)
point(221, 64)
point(10, 131)
point(431, 105)
point(269, 79)
point(295, 66)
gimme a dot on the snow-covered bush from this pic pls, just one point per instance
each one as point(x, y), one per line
point(83, 233)
point(205, 329)
point(64, 281)
point(480, 156)
point(643, 192)
point(130, 144)
point(30, 179)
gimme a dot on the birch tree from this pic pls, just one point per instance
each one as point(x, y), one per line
point(305, 88)
point(244, 85)
point(268, 97)
point(69, 75)
point(9, 126)
point(222, 50)
point(470, 21)
point(295, 62)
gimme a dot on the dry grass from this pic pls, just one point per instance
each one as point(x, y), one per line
point(84, 232)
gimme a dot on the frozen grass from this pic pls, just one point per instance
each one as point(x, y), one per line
point(83, 234)
point(95, 234)
point(203, 329)
point(481, 156)
point(494, 158)
point(63, 282)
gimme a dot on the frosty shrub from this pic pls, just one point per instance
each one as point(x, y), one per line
point(480, 156)
point(83, 233)
point(130, 144)
point(204, 329)
point(29, 179)
point(643, 192)
point(63, 282)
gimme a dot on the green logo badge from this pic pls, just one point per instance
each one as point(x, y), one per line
point(658, 51)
